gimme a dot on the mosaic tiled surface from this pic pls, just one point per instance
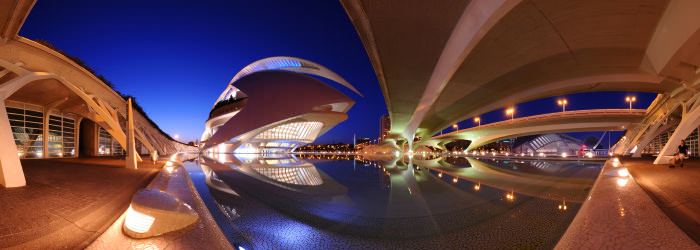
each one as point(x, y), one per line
point(202, 235)
point(620, 215)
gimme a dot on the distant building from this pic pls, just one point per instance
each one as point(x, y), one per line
point(499, 146)
point(361, 141)
point(384, 126)
point(550, 144)
point(275, 105)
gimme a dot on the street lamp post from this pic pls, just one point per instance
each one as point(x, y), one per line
point(455, 126)
point(510, 111)
point(562, 103)
point(631, 100)
point(477, 119)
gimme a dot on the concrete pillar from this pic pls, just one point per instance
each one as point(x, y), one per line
point(76, 132)
point(45, 134)
point(11, 173)
point(131, 153)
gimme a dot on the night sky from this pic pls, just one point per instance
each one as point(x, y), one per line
point(176, 57)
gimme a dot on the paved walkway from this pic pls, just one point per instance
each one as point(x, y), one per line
point(675, 190)
point(618, 214)
point(67, 203)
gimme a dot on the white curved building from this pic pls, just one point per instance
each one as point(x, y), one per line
point(275, 105)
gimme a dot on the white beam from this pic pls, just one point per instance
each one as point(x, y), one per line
point(477, 18)
point(131, 141)
point(11, 174)
point(690, 122)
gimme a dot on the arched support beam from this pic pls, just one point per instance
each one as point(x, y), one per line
point(11, 174)
point(651, 134)
point(476, 20)
point(672, 50)
point(103, 116)
point(131, 154)
point(690, 122)
point(649, 127)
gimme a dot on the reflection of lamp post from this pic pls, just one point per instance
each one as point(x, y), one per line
point(562, 206)
point(631, 100)
point(477, 186)
point(510, 112)
point(562, 103)
point(477, 119)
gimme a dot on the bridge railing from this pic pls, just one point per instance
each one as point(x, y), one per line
point(566, 114)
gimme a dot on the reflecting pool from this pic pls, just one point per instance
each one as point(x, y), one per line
point(330, 202)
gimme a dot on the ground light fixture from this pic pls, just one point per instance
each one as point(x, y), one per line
point(137, 222)
point(154, 212)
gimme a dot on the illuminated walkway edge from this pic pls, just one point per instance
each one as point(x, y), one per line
point(618, 214)
point(205, 232)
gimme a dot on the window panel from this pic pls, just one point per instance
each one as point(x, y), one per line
point(34, 113)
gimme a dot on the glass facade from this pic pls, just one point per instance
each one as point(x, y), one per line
point(61, 139)
point(27, 122)
point(293, 131)
point(659, 141)
point(108, 145)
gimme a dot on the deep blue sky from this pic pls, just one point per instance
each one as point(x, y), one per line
point(176, 57)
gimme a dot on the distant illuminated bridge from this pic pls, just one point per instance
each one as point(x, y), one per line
point(560, 122)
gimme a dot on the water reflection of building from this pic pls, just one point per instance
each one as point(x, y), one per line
point(547, 144)
point(275, 106)
point(281, 169)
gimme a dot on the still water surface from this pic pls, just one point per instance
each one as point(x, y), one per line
point(331, 202)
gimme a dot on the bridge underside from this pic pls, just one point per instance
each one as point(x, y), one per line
point(467, 58)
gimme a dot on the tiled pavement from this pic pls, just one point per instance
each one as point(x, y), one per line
point(67, 203)
point(675, 190)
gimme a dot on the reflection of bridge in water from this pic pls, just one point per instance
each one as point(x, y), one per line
point(542, 186)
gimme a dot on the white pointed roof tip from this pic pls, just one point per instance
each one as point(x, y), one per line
point(293, 64)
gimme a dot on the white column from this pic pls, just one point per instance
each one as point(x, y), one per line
point(11, 173)
point(76, 132)
point(45, 134)
point(130, 140)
